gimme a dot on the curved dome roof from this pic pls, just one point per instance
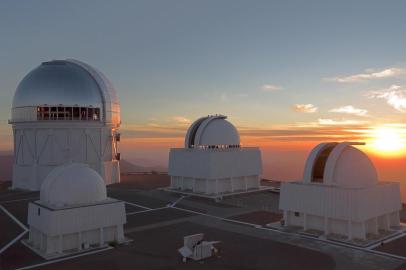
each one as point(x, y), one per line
point(69, 83)
point(212, 130)
point(340, 164)
point(73, 184)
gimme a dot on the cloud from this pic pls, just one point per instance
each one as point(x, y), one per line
point(182, 120)
point(153, 130)
point(395, 96)
point(333, 122)
point(317, 131)
point(271, 88)
point(350, 110)
point(305, 108)
point(370, 75)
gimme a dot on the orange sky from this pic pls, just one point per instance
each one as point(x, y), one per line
point(284, 150)
point(283, 160)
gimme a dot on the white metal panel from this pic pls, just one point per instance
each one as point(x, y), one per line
point(213, 164)
point(340, 203)
point(72, 220)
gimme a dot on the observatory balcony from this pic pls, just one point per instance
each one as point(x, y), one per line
point(219, 147)
point(68, 113)
point(51, 113)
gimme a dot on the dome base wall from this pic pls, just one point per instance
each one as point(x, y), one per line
point(56, 232)
point(215, 171)
point(40, 148)
point(351, 212)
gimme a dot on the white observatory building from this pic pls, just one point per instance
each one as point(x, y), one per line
point(212, 161)
point(73, 213)
point(64, 111)
point(340, 194)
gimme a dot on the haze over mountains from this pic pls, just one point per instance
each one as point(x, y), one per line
point(6, 165)
point(7, 159)
point(128, 167)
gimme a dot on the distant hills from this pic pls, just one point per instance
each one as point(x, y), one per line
point(128, 167)
point(6, 166)
point(7, 159)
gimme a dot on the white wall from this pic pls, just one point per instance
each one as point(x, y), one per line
point(215, 163)
point(337, 226)
point(39, 147)
point(353, 212)
point(72, 220)
point(340, 203)
point(69, 228)
point(315, 222)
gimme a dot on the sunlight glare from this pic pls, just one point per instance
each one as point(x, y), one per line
point(388, 141)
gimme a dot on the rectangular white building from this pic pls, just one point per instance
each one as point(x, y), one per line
point(215, 171)
point(334, 210)
point(341, 195)
point(56, 230)
point(213, 161)
point(73, 213)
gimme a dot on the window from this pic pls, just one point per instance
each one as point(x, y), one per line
point(76, 113)
point(68, 113)
point(39, 211)
point(96, 114)
point(53, 113)
point(46, 113)
point(83, 113)
point(61, 113)
point(90, 113)
point(297, 214)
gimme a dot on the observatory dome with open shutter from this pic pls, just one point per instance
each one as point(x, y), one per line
point(340, 164)
point(340, 195)
point(212, 162)
point(212, 131)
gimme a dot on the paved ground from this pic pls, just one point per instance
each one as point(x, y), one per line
point(157, 249)
point(258, 217)
point(143, 182)
point(13, 230)
point(153, 217)
point(157, 231)
point(397, 247)
point(19, 209)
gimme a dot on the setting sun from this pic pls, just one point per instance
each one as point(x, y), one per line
point(388, 141)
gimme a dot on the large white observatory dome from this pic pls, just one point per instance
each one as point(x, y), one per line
point(212, 131)
point(64, 111)
point(340, 164)
point(73, 184)
point(65, 84)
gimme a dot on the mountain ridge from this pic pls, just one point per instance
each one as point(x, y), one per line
point(6, 167)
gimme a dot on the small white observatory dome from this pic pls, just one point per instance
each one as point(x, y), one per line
point(212, 131)
point(340, 164)
point(73, 184)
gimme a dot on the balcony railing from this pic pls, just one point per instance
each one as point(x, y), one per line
point(68, 113)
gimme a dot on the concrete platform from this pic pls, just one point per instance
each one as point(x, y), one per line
point(218, 197)
point(370, 240)
point(157, 231)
